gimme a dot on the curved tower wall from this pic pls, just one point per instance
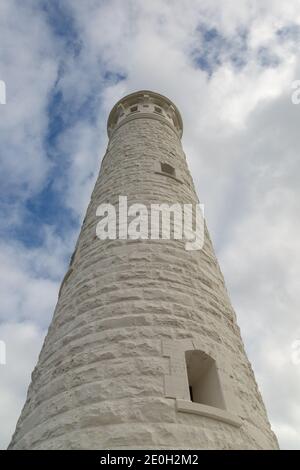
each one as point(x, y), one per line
point(143, 350)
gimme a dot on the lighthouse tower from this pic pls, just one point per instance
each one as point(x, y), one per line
point(143, 350)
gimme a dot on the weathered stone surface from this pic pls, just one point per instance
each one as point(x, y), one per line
point(112, 364)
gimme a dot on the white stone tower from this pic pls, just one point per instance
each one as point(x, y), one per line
point(143, 350)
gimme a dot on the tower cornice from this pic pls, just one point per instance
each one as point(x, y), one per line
point(145, 104)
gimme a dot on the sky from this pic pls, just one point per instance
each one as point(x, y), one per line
point(229, 67)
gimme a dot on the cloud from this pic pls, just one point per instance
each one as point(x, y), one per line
point(23, 342)
point(29, 282)
point(229, 67)
point(29, 278)
point(28, 67)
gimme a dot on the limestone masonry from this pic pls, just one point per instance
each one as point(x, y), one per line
point(143, 350)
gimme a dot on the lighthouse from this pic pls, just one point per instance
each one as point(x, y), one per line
point(144, 350)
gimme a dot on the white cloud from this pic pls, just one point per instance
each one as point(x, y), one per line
point(83, 143)
point(30, 277)
point(28, 67)
point(23, 342)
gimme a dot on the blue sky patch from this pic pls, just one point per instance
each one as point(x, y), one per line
point(214, 49)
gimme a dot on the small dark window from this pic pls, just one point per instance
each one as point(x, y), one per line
point(157, 109)
point(133, 109)
point(203, 379)
point(166, 168)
